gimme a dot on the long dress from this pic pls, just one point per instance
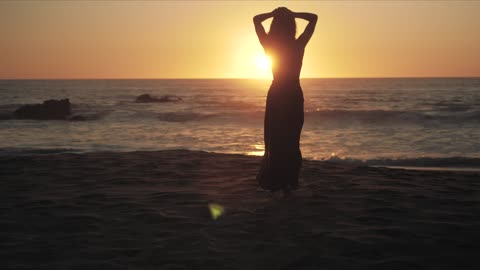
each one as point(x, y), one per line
point(283, 124)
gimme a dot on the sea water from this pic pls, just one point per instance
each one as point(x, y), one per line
point(391, 121)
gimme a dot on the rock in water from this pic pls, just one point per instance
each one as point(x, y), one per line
point(50, 110)
point(77, 118)
point(145, 98)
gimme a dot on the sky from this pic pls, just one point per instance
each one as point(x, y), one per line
point(216, 39)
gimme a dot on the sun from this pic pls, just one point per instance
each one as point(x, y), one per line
point(263, 63)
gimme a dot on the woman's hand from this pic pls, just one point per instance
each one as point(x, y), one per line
point(257, 21)
point(306, 16)
point(308, 32)
point(282, 10)
point(262, 17)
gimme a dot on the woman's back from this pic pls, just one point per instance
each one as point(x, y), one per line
point(287, 59)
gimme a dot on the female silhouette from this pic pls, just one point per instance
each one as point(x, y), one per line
point(284, 109)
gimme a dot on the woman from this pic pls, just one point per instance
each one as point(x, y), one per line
point(284, 110)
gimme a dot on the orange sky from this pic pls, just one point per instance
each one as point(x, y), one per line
point(216, 39)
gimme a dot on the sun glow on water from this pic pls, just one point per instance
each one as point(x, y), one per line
point(259, 150)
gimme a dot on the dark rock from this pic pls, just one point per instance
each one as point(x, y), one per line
point(6, 116)
point(50, 109)
point(146, 98)
point(77, 118)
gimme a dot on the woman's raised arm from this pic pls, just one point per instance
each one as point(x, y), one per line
point(308, 32)
point(257, 21)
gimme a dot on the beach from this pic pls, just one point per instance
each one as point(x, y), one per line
point(150, 210)
point(143, 134)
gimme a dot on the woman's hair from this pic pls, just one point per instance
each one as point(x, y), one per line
point(283, 26)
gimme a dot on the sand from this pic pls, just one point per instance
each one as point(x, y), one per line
point(149, 210)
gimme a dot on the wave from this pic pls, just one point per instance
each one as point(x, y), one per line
point(442, 162)
point(376, 117)
point(456, 162)
point(35, 151)
point(183, 116)
point(453, 107)
point(230, 105)
point(392, 117)
point(6, 111)
point(240, 111)
point(80, 111)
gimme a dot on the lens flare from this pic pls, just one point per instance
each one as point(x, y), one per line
point(216, 210)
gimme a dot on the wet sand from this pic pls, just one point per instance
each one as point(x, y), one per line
point(149, 210)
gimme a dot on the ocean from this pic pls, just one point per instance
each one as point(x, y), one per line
point(428, 122)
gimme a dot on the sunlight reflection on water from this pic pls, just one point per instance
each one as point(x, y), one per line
point(260, 150)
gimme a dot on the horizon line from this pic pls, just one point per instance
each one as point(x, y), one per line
point(245, 78)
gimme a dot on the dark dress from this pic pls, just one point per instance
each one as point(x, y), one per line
point(283, 124)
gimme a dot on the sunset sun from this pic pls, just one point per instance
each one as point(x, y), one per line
point(263, 63)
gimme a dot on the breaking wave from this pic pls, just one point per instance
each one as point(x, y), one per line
point(443, 162)
point(392, 117)
point(183, 116)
